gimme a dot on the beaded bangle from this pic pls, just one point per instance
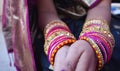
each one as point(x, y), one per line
point(103, 50)
point(55, 29)
point(55, 40)
point(109, 52)
point(57, 34)
point(98, 38)
point(66, 42)
point(97, 25)
point(97, 29)
point(104, 36)
point(54, 24)
point(95, 21)
point(54, 36)
point(96, 49)
point(98, 32)
point(103, 32)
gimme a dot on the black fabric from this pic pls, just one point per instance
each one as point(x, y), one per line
point(117, 1)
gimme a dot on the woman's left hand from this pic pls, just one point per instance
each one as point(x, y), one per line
point(77, 57)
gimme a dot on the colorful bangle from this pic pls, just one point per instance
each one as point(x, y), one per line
point(92, 36)
point(57, 34)
point(98, 32)
point(109, 52)
point(96, 21)
point(55, 39)
point(103, 50)
point(104, 36)
point(54, 24)
point(65, 42)
point(96, 49)
point(55, 29)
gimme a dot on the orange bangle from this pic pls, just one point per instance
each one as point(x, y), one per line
point(67, 42)
point(96, 50)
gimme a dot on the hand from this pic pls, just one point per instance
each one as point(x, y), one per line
point(77, 57)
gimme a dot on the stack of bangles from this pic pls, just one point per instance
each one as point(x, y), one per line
point(57, 34)
point(97, 33)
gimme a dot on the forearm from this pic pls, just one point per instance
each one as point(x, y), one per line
point(96, 32)
point(101, 11)
point(46, 12)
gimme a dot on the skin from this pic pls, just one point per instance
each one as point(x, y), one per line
point(79, 56)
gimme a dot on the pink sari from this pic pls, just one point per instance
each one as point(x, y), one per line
point(15, 19)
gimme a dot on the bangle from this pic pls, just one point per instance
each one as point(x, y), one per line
point(104, 43)
point(103, 50)
point(106, 37)
point(98, 32)
point(54, 24)
point(52, 55)
point(54, 36)
point(55, 29)
point(96, 50)
point(57, 34)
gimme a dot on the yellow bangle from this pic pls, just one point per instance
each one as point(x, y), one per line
point(55, 35)
point(53, 24)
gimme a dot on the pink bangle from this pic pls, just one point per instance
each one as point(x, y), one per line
point(104, 42)
point(105, 36)
point(106, 50)
point(96, 50)
point(55, 41)
point(52, 47)
point(102, 48)
point(57, 47)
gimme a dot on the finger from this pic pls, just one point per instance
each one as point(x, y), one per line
point(83, 63)
point(60, 57)
point(92, 65)
point(73, 56)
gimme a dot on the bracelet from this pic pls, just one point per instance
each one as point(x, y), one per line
point(52, 55)
point(103, 50)
point(96, 21)
point(57, 34)
point(96, 50)
point(106, 37)
point(55, 29)
point(104, 43)
point(97, 33)
point(54, 24)
point(54, 36)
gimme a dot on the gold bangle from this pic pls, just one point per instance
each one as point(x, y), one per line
point(55, 35)
point(53, 24)
point(69, 41)
point(96, 21)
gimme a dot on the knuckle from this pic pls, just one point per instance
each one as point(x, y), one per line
point(69, 66)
